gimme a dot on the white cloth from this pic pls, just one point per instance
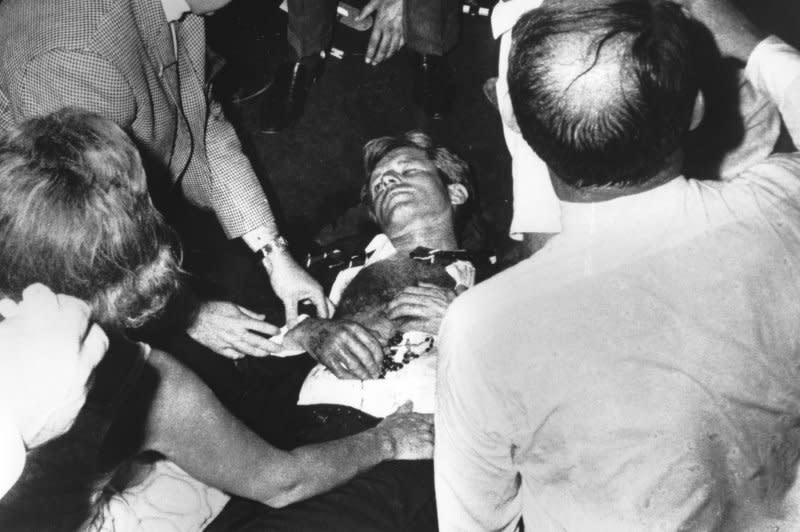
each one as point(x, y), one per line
point(415, 382)
point(167, 499)
point(535, 205)
point(641, 371)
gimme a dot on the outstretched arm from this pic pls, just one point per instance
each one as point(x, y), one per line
point(244, 211)
point(189, 426)
point(773, 67)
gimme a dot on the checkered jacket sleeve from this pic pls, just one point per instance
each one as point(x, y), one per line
point(62, 78)
point(237, 196)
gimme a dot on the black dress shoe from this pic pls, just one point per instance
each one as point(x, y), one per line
point(284, 99)
point(432, 88)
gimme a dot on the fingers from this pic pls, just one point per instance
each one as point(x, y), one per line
point(331, 307)
point(322, 304)
point(354, 361)
point(354, 353)
point(368, 10)
point(429, 290)
point(410, 305)
point(251, 313)
point(383, 44)
point(395, 44)
point(383, 47)
point(372, 353)
point(263, 327)
point(251, 344)
point(372, 47)
point(290, 308)
point(349, 367)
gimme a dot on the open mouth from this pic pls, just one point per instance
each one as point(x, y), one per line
point(393, 192)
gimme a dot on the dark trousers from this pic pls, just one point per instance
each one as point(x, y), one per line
point(394, 496)
point(431, 26)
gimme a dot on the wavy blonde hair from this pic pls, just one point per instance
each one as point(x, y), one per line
point(75, 214)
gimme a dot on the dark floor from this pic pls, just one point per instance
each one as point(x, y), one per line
point(312, 170)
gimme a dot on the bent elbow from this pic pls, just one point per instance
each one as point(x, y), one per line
point(286, 495)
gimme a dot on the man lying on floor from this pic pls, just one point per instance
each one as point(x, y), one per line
point(75, 214)
point(378, 350)
point(389, 310)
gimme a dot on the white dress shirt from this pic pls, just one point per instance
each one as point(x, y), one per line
point(642, 371)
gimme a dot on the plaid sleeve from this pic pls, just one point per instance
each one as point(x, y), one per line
point(67, 78)
point(236, 195)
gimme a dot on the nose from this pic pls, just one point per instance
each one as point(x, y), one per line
point(386, 179)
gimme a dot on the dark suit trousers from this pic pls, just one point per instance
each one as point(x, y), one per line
point(432, 26)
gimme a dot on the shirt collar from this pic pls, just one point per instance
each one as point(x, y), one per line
point(175, 9)
point(625, 213)
point(379, 248)
point(506, 13)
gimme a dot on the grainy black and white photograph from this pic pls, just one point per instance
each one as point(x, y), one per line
point(399, 265)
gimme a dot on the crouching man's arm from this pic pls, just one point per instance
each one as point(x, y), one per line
point(191, 427)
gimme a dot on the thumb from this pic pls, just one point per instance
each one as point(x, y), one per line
point(369, 9)
point(290, 307)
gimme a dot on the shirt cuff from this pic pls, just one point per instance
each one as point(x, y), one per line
point(12, 453)
point(257, 238)
point(772, 67)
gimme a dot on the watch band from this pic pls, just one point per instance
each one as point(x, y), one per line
point(277, 244)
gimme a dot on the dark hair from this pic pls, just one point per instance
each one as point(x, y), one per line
point(75, 215)
point(627, 108)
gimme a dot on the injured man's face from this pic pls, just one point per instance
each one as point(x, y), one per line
point(406, 188)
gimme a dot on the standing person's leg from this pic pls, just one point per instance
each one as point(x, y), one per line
point(309, 26)
point(432, 29)
point(432, 26)
point(309, 30)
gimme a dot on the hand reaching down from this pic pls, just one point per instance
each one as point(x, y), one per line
point(233, 331)
point(347, 349)
point(388, 35)
point(407, 435)
point(420, 308)
point(293, 284)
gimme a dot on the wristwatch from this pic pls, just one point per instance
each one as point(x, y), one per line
point(277, 244)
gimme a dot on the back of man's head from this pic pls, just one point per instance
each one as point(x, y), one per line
point(75, 215)
point(605, 93)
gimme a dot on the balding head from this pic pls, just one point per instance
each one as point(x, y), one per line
point(604, 91)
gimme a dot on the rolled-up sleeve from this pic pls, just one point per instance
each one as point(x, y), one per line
point(774, 69)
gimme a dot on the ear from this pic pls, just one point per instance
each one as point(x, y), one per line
point(458, 193)
point(698, 112)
